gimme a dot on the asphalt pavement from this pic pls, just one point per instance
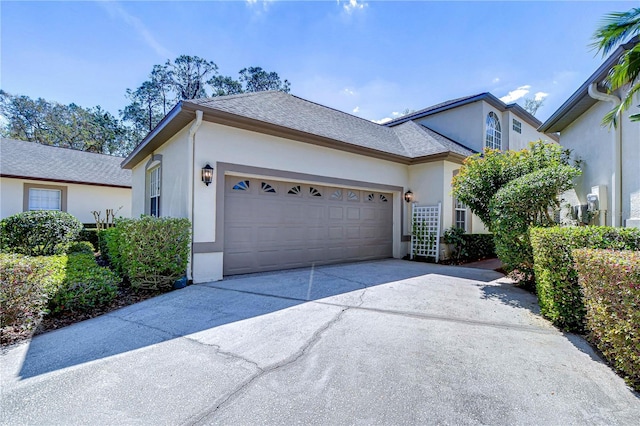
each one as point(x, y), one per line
point(384, 342)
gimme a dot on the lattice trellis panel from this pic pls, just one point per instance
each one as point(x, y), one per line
point(425, 231)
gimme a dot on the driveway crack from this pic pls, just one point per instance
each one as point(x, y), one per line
point(206, 416)
point(219, 351)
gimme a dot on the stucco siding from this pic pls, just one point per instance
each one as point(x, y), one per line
point(82, 200)
point(463, 124)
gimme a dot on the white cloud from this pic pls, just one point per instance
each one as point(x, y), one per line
point(352, 5)
point(496, 80)
point(540, 96)
point(395, 114)
point(516, 94)
point(356, 110)
point(348, 91)
point(383, 120)
point(116, 9)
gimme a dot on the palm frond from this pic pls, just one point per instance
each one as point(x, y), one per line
point(616, 28)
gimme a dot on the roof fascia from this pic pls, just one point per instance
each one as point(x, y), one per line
point(78, 182)
point(597, 76)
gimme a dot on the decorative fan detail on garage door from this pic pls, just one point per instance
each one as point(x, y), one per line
point(337, 194)
point(268, 188)
point(352, 196)
point(314, 192)
point(371, 197)
point(383, 198)
point(243, 185)
point(295, 190)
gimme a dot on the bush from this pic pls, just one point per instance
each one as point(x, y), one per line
point(610, 282)
point(81, 247)
point(39, 233)
point(110, 243)
point(86, 285)
point(89, 234)
point(559, 294)
point(469, 247)
point(524, 202)
point(151, 252)
point(26, 284)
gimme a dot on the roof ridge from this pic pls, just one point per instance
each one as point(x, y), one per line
point(407, 117)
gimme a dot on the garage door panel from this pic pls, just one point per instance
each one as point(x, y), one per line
point(271, 225)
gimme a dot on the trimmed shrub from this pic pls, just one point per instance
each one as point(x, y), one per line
point(152, 252)
point(559, 294)
point(86, 285)
point(469, 247)
point(89, 234)
point(610, 282)
point(110, 243)
point(26, 284)
point(524, 202)
point(81, 247)
point(39, 233)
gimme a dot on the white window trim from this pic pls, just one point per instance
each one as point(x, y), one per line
point(493, 134)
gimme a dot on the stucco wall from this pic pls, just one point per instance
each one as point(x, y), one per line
point(463, 124)
point(592, 145)
point(518, 141)
point(81, 199)
point(174, 184)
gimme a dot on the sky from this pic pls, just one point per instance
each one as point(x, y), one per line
point(373, 59)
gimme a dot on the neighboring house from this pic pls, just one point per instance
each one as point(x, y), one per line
point(609, 157)
point(41, 177)
point(296, 183)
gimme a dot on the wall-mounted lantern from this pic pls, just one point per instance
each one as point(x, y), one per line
point(408, 196)
point(207, 174)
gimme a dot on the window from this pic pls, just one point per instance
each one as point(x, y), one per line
point(460, 215)
point(517, 126)
point(154, 192)
point(494, 134)
point(45, 199)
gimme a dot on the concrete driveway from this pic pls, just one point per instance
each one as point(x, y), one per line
point(386, 342)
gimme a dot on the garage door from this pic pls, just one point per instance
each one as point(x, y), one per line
point(271, 225)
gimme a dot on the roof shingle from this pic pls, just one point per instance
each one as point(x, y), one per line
point(37, 161)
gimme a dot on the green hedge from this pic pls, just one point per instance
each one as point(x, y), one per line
point(38, 233)
point(469, 247)
point(610, 282)
point(151, 252)
point(86, 285)
point(89, 234)
point(559, 294)
point(26, 284)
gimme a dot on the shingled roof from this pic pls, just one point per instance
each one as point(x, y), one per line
point(30, 160)
point(286, 115)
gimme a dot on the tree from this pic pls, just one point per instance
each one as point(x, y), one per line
point(616, 28)
point(224, 85)
point(189, 75)
point(256, 79)
point(513, 190)
point(68, 126)
point(532, 105)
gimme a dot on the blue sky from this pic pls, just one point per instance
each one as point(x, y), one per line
point(368, 58)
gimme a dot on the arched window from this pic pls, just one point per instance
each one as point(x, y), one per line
point(494, 133)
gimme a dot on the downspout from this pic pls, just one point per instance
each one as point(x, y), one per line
point(616, 191)
point(191, 187)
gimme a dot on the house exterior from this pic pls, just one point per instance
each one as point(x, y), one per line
point(35, 177)
point(297, 184)
point(609, 157)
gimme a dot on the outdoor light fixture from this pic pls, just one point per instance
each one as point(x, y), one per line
point(408, 196)
point(207, 174)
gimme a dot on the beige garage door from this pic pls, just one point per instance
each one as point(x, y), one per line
point(271, 225)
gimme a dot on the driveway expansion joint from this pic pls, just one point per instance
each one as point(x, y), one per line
point(206, 416)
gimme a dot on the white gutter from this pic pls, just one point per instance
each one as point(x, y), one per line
point(191, 187)
point(616, 180)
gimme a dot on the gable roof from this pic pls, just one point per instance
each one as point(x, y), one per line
point(421, 141)
point(580, 101)
point(31, 160)
point(455, 103)
point(281, 114)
